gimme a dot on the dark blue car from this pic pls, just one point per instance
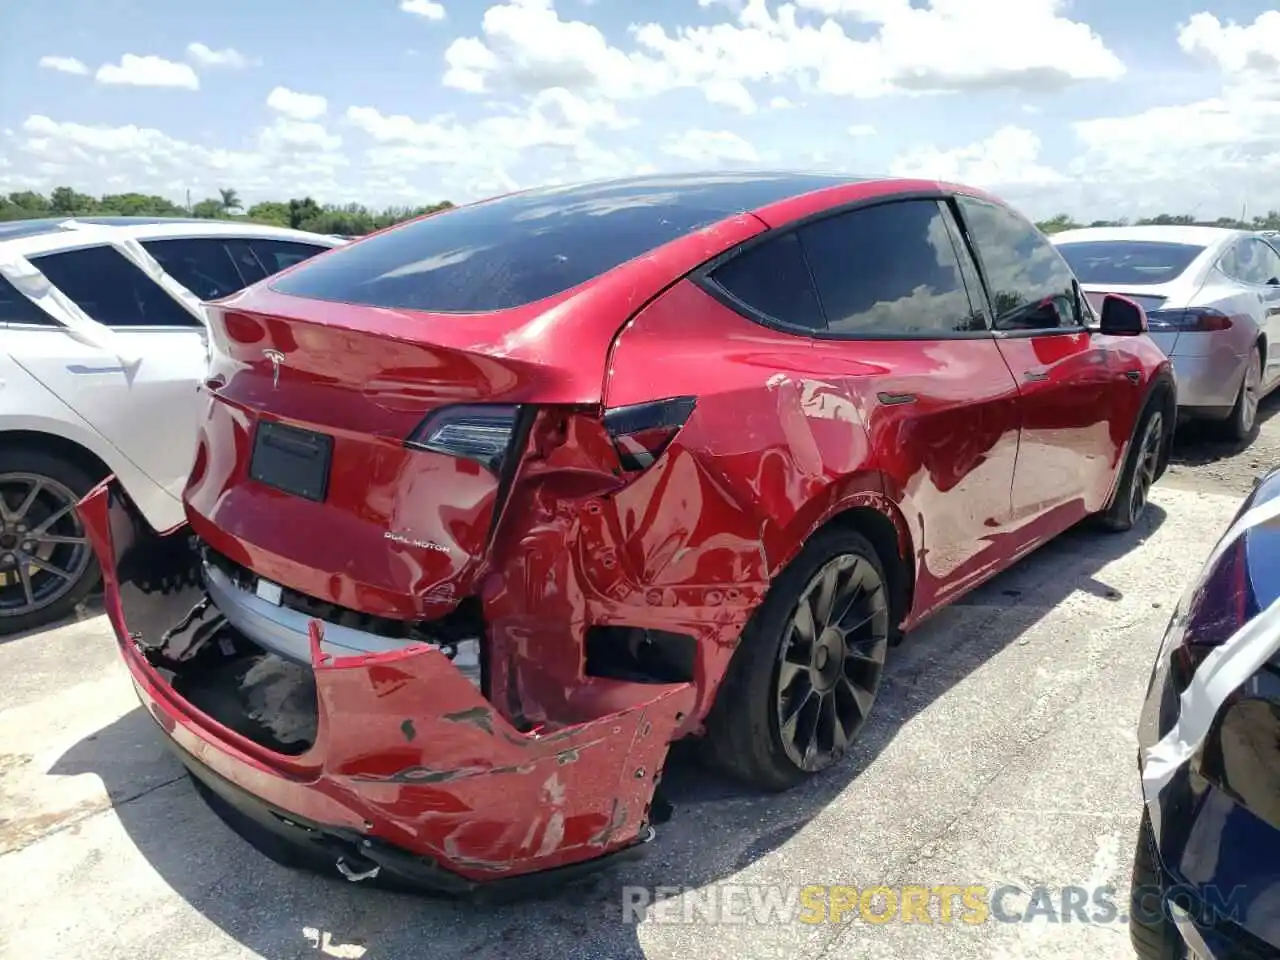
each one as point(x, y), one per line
point(1206, 878)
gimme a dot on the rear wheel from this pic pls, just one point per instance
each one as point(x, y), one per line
point(46, 563)
point(808, 666)
point(1141, 468)
point(1240, 425)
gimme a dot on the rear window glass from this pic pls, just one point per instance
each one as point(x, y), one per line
point(16, 308)
point(525, 247)
point(1128, 261)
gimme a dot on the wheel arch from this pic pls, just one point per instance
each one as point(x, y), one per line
point(59, 446)
point(1164, 391)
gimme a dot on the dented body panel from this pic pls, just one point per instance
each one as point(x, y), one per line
point(664, 459)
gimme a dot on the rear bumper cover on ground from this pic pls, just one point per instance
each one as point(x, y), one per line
point(410, 763)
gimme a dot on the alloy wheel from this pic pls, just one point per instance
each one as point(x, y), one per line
point(1251, 393)
point(43, 548)
point(831, 660)
point(1148, 465)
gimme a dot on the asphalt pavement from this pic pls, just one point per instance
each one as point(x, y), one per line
point(1001, 757)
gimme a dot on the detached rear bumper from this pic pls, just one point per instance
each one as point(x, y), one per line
point(410, 767)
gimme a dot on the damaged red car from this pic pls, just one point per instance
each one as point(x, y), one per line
point(491, 507)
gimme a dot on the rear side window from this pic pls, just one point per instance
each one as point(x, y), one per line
point(276, 255)
point(202, 266)
point(772, 279)
point(890, 270)
point(500, 254)
point(1131, 262)
point(111, 290)
point(15, 308)
point(246, 261)
point(1031, 286)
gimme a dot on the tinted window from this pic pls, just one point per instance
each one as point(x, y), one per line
point(1031, 286)
point(1252, 261)
point(202, 266)
point(275, 255)
point(889, 270)
point(1131, 262)
point(246, 261)
point(15, 308)
point(527, 246)
point(112, 290)
point(772, 278)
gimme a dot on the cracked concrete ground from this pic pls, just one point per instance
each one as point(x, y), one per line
point(1002, 752)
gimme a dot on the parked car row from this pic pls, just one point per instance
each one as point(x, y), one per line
point(484, 511)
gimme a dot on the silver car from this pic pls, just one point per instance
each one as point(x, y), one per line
point(1212, 297)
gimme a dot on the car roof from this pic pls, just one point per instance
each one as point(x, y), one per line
point(1157, 233)
point(49, 234)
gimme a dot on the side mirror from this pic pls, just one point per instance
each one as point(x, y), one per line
point(1121, 317)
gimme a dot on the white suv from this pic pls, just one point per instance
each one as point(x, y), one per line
point(102, 345)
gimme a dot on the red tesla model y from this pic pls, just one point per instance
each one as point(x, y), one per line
point(490, 507)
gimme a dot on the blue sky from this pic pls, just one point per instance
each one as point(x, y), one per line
point(1093, 106)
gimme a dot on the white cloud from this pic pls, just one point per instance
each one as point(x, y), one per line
point(862, 130)
point(780, 103)
point(208, 57)
point(64, 65)
point(1236, 50)
point(427, 9)
point(711, 147)
point(950, 46)
point(297, 106)
point(148, 71)
point(1009, 157)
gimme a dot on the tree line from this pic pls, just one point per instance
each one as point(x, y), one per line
point(354, 219)
point(351, 220)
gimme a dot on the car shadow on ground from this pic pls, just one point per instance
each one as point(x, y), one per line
point(87, 609)
point(1199, 442)
point(718, 827)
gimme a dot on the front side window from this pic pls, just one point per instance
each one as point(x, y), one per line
point(111, 290)
point(890, 270)
point(1030, 284)
point(276, 255)
point(202, 266)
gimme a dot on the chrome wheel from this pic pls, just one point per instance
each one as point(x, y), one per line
point(1147, 466)
point(1250, 392)
point(831, 660)
point(43, 548)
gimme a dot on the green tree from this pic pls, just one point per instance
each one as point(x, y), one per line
point(230, 200)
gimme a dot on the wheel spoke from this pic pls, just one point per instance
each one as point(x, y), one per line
point(852, 593)
point(25, 577)
point(862, 699)
point(787, 674)
point(50, 520)
point(57, 539)
point(45, 565)
point(824, 597)
point(803, 625)
point(21, 512)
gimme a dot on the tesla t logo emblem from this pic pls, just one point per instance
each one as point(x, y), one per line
point(276, 358)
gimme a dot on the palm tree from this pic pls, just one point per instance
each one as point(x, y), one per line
point(230, 200)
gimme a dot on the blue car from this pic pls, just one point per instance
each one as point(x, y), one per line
point(1206, 877)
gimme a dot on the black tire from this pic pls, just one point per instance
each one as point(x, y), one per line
point(1142, 467)
point(745, 728)
point(1242, 424)
point(1153, 935)
point(64, 477)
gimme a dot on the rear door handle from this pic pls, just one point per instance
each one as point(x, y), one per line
point(1036, 375)
point(1134, 375)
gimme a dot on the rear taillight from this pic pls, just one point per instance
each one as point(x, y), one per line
point(642, 431)
point(482, 433)
point(1194, 320)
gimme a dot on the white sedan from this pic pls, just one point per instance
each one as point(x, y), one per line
point(102, 344)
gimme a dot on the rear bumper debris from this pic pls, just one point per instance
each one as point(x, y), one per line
point(406, 766)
